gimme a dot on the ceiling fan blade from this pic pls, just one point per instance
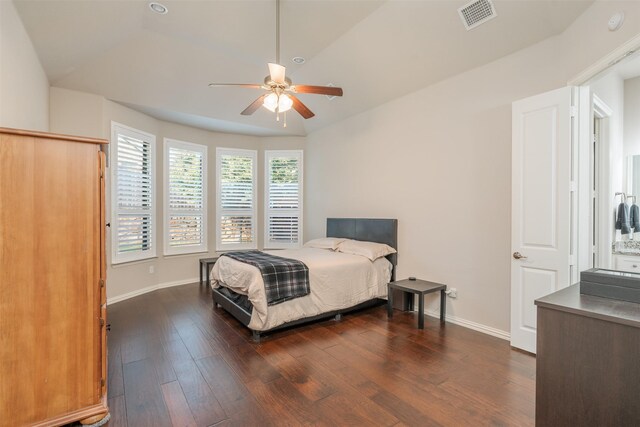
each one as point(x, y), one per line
point(250, 86)
point(254, 106)
point(277, 71)
point(301, 108)
point(322, 90)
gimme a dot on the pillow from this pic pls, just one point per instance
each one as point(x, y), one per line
point(325, 243)
point(370, 250)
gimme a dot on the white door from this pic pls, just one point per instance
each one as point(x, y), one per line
point(542, 197)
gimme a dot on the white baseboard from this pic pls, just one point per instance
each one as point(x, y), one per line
point(472, 325)
point(148, 289)
point(456, 320)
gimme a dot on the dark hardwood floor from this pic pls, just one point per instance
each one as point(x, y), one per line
point(176, 360)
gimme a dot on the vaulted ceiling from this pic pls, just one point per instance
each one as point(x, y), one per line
point(375, 50)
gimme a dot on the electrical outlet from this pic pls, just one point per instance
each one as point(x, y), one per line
point(452, 293)
point(152, 269)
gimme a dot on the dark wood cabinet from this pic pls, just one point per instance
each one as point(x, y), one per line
point(588, 361)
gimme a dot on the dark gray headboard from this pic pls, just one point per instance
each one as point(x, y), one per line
point(371, 230)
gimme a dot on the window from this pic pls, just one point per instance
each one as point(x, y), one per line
point(185, 202)
point(283, 199)
point(236, 199)
point(133, 194)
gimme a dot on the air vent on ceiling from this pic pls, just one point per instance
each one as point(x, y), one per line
point(476, 13)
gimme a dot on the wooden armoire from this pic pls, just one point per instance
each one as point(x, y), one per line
point(53, 365)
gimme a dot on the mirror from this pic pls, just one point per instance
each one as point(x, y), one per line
point(615, 167)
point(633, 176)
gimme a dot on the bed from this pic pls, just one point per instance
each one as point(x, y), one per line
point(340, 283)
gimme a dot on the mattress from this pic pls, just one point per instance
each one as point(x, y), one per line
point(337, 281)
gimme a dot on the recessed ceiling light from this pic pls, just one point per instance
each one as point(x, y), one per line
point(298, 60)
point(158, 8)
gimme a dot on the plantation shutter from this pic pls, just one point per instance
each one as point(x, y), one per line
point(283, 199)
point(185, 197)
point(236, 213)
point(133, 218)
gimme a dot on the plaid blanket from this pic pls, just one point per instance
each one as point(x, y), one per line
point(284, 278)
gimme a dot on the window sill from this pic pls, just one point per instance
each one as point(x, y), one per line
point(186, 254)
point(133, 262)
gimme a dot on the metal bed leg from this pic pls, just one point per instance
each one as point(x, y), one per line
point(255, 336)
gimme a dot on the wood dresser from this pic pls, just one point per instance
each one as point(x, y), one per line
point(53, 365)
point(588, 361)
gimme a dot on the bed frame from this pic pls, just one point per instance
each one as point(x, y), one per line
point(372, 230)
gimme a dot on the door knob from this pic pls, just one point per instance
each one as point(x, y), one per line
point(518, 255)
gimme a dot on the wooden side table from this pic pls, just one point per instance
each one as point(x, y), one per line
point(420, 288)
point(206, 263)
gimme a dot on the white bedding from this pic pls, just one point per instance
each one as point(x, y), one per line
point(337, 281)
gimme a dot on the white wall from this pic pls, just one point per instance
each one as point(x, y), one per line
point(632, 116)
point(77, 113)
point(24, 87)
point(91, 115)
point(632, 135)
point(439, 160)
point(610, 89)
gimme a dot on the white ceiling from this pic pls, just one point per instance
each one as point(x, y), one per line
point(375, 50)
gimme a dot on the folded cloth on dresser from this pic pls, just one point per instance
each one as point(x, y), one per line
point(284, 278)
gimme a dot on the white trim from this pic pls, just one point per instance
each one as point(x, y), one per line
point(601, 110)
point(118, 128)
point(128, 295)
point(498, 333)
point(202, 149)
point(584, 182)
point(299, 156)
point(612, 58)
point(574, 192)
point(253, 154)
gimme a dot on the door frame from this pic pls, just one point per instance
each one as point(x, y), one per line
point(602, 218)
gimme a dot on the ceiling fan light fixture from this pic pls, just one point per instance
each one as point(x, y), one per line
point(277, 72)
point(280, 92)
point(283, 103)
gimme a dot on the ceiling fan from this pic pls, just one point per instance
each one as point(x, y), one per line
point(280, 97)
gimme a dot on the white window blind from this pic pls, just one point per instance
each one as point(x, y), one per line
point(236, 199)
point(185, 202)
point(283, 199)
point(133, 194)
